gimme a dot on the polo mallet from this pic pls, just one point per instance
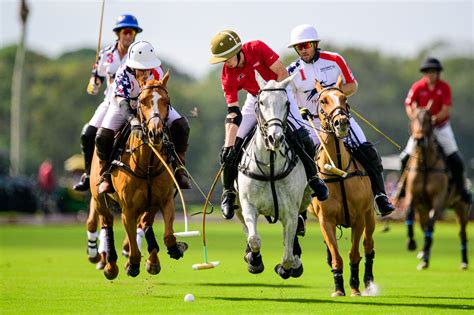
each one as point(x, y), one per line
point(328, 167)
point(186, 233)
point(100, 30)
point(206, 264)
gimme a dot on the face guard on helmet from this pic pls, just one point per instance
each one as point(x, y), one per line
point(224, 45)
point(141, 56)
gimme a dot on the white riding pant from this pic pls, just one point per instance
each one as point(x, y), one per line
point(355, 138)
point(249, 118)
point(445, 137)
point(114, 118)
point(98, 117)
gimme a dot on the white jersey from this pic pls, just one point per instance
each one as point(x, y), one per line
point(107, 65)
point(126, 85)
point(326, 69)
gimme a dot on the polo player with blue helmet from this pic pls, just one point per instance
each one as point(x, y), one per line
point(109, 60)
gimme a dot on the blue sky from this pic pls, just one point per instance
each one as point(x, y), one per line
point(181, 30)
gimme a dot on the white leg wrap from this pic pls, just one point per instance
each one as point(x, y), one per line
point(140, 235)
point(102, 242)
point(92, 244)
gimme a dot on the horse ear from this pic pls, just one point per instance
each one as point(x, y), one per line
point(287, 81)
point(166, 77)
point(339, 82)
point(261, 82)
point(318, 85)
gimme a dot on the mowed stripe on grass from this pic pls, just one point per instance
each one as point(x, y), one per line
point(44, 269)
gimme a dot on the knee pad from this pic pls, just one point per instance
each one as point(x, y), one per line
point(104, 142)
point(88, 137)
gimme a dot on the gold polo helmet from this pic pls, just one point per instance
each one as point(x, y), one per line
point(224, 45)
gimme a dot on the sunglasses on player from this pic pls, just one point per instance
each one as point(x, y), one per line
point(128, 31)
point(301, 46)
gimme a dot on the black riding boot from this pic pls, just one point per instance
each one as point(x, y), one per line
point(456, 167)
point(180, 134)
point(229, 174)
point(306, 151)
point(367, 155)
point(104, 142)
point(404, 157)
point(87, 147)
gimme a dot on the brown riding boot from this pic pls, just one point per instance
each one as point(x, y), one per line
point(180, 173)
point(179, 135)
point(105, 185)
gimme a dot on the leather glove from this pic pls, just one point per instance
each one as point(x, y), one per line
point(93, 86)
point(136, 128)
point(228, 155)
point(305, 113)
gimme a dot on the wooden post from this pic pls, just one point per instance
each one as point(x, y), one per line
point(16, 126)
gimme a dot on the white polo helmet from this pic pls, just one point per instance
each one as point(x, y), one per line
point(303, 33)
point(141, 56)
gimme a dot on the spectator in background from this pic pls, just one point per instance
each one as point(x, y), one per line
point(47, 186)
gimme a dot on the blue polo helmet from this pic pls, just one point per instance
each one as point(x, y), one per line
point(127, 21)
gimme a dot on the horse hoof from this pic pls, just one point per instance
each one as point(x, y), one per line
point(411, 245)
point(132, 269)
point(153, 268)
point(355, 292)
point(282, 272)
point(420, 255)
point(111, 271)
point(95, 259)
point(177, 251)
point(338, 293)
point(254, 263)
point(464, 266)
point(422, 265)
point(296, 273)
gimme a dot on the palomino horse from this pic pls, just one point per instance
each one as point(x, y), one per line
point(427, 189)
point(271, 179)
point(350, 202)
point(142, 185)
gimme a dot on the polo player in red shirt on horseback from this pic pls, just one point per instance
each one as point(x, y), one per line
point(238, 73)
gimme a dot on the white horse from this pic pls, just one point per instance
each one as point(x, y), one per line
point(271, 179)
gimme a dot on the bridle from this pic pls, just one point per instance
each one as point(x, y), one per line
point(334, 113)
point(263, 124)
point(144, 122)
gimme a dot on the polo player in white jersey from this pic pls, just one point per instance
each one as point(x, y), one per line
point(315, 64)
point(109, 60)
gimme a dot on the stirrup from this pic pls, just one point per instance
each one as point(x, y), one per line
point(382, 205)
point(301, 227)
point(83, 184)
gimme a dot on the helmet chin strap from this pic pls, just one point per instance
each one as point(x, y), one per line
point(238, 57)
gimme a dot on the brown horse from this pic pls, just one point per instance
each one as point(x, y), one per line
point(427, 188)
point(142, 184)
point(350, 201)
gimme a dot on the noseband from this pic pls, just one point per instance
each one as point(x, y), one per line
point(335, 112)
point(265, 124)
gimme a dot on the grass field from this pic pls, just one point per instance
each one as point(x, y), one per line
point(44, 270)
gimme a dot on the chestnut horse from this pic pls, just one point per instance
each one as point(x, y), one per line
point(142, 184)
point(350, 201)
point(427, 188)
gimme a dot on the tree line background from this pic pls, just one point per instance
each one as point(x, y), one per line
point(56, 105)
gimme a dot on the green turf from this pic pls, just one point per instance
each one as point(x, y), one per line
point(44, 270)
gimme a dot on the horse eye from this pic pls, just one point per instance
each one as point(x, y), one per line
point(261, 103)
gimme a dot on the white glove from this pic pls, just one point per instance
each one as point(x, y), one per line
point(93, 86)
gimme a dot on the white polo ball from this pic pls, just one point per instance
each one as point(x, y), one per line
point(189, 298)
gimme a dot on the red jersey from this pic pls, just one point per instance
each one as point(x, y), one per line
point(421, 94)
point(258, 56)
